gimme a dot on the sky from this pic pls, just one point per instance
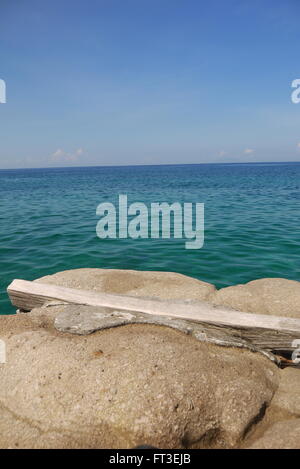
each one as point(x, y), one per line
point(122, 82)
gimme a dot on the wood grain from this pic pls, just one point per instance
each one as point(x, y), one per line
point(266, 332)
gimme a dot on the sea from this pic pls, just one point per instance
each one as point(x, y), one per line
point(48, 221)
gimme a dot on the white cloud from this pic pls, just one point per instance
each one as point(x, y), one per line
point(298, 146)
point(223, 153)
point(61, 155)
point(58, 153)
point(248, 151)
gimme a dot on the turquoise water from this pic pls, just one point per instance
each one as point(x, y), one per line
point(48, 220)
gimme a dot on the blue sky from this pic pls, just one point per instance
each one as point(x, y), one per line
point(113, 82)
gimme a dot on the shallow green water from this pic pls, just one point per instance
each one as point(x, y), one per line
point(48, 220)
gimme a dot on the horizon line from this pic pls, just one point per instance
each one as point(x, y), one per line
point(157, 164)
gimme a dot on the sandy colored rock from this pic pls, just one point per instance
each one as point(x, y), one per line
point(146, 384)
point(121, 387)
point(275, 296)
point(164, 285)
point(281, 435)
point(287, 397)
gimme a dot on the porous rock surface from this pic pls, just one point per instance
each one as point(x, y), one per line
point(281, 435)
point(139, 384)
point(274, 296)
point(287, 396)
point(146, 384)
point(163, 285)
point(129, 385)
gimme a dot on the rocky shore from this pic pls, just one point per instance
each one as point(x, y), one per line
point(143, 383)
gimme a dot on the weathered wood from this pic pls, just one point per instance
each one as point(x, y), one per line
point(271, 333)
point(83, 320)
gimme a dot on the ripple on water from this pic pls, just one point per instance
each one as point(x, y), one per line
point(48, 221)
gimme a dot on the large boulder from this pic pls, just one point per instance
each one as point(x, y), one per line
point(121, 387)
point(164, 285)
point(142, 383)
point(275, 296)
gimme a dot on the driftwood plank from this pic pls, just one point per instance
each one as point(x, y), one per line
point(83, 320)
point(271, 333)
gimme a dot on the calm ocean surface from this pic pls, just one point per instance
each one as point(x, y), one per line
point(48, 221)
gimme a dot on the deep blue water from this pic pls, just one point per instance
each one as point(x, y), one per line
point(48, 221)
